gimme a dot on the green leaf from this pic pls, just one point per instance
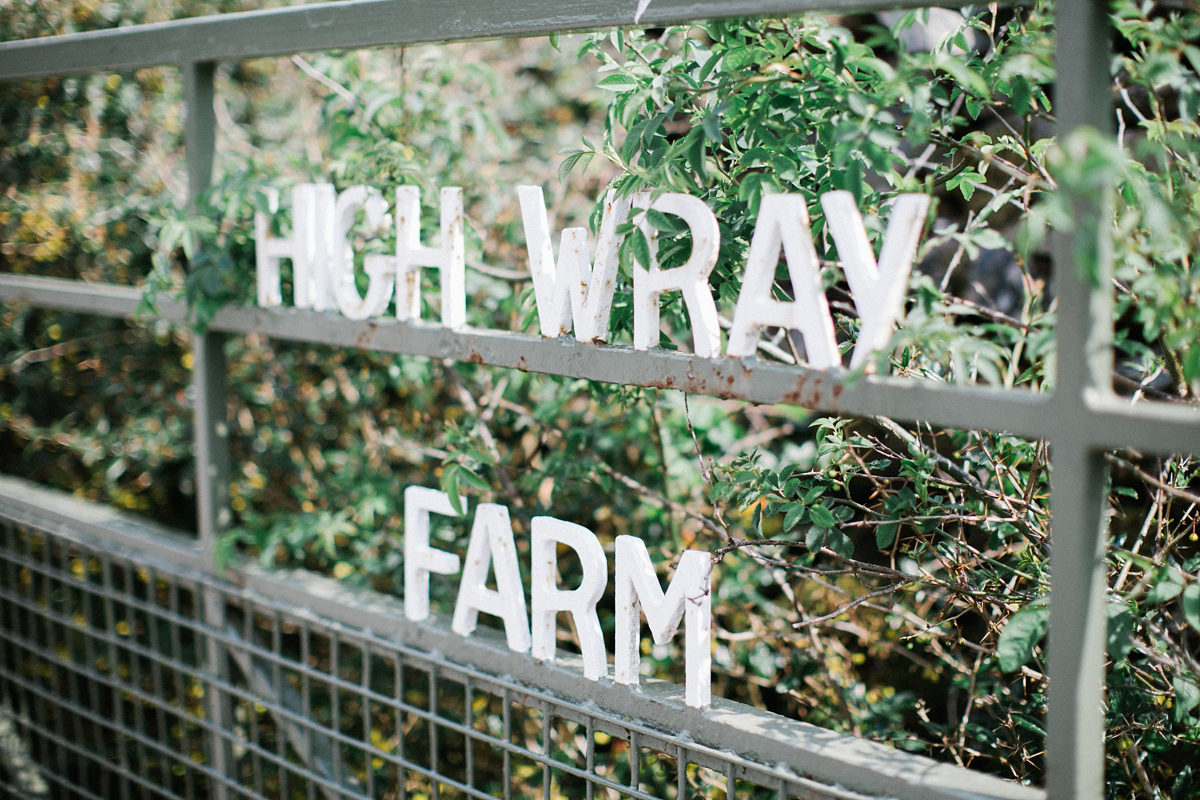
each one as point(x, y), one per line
point(885, 535)
point(225, 551)
point(793, 517)
point(1021, 635)
point(1187, 696)
point(839, 543)
point(641, 247)
point(618, 82)
point(812, 494)
point(1191, 605)
point(1121, 625)
point(449, 484)
point(660, 221)
point(814, 540)
point(820, 515)
point(568, 164)
point(1166, 585)
point(472, 479)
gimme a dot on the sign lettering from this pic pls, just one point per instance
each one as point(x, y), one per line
point(575, 291)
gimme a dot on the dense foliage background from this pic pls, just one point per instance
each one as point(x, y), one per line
point(873, 577)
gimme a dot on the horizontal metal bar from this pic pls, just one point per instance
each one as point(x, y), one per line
point(1105, 422)
point(1149, 427)
point(101, 299)
point(368, 23)
point(1019, 412)
point(29, 504)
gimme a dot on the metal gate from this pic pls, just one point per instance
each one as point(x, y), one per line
point(133, 670)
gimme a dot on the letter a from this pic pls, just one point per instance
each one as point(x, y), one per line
point(783, 223)
point(492, 545)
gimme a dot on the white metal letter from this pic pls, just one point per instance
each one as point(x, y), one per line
point(573, 289)
point(267, 253)
point(449, 257)
point(492, 545)
point(878, 289)
point(783, 223)
point(548, 599)
point(381, 270)
point(309, 249)
point(419, 558)
point(688, 596)
point(649, 281)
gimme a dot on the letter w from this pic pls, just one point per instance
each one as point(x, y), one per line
point(574, 289)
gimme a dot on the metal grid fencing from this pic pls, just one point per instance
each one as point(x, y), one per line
point(121, 689)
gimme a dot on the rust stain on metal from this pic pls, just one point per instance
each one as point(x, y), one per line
point(522, 364)
point(794, 397)
point(474, 357)
point(814, 399)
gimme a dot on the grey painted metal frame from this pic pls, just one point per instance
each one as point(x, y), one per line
point(1081, 419)
point(366, 23)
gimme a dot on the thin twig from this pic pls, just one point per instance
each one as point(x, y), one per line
point(858, 601)
point(1174, 491)
point(325, 80)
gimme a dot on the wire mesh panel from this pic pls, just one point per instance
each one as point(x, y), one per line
point(116, 687)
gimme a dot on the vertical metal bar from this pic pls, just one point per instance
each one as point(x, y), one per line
point(158, 648)
point(306, 691)
point(208, 370)
point(138, 713)
point(681, 762)
point(180, 685)
point(277, 724)
point(590, 757)
point(635, 761)
point(401, 750)
point(212, 439)
point(434, 766)
point(508, 740)
point(56, 637)
point(114, 659)
point(208, 380)
point(248, 635)
point(469, 724)
point(547, 742)
point(1075, 720)
point(368, 740)
point(335, 711)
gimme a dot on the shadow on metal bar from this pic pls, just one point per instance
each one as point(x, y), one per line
point(315, 749)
